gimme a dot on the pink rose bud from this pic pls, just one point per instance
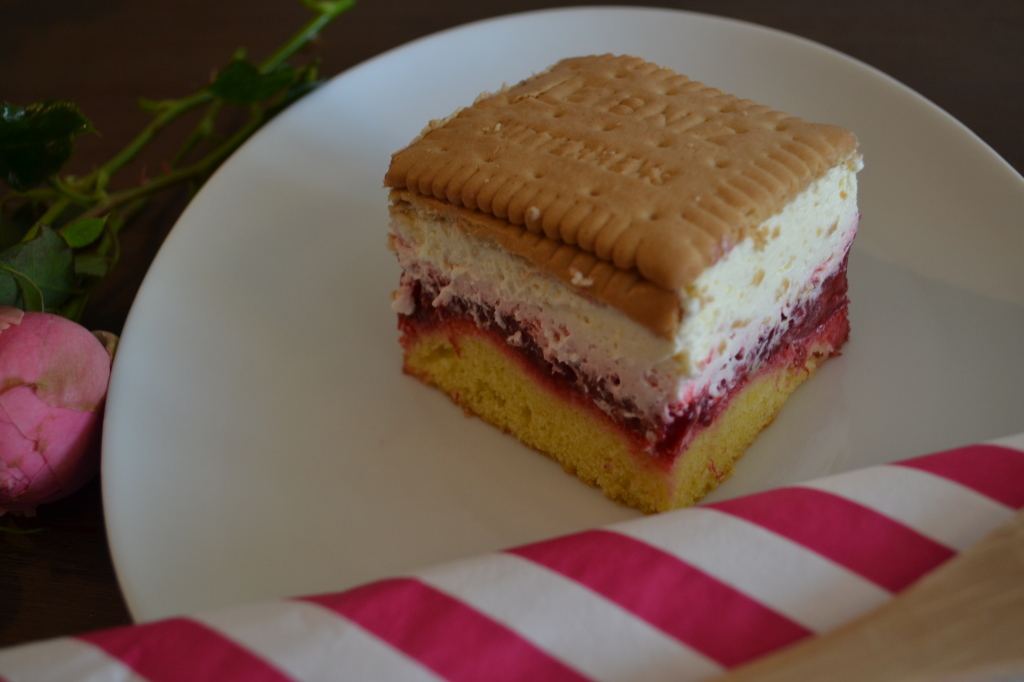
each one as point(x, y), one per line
point(53, 383)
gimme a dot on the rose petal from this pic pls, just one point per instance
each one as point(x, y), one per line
point(48, 452)
point(9, 316)
point(67, 364)
point(53, 384)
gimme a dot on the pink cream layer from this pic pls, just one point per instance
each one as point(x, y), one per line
point(820, 327)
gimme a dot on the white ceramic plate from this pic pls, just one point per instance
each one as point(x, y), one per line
point(261, 440)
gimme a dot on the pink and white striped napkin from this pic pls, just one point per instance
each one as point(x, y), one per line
point(684, 595)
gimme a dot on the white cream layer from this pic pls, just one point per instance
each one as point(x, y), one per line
point(725, 310)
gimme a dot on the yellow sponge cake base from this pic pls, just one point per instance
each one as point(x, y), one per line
point(483, 375)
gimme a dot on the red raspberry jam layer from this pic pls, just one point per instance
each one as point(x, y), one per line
point(820, 326)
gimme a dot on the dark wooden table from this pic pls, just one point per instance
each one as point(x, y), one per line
point(967, 57)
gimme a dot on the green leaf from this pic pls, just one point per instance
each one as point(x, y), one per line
point(83, 232)
point(47, 261)
point(91, 265)
point(242, 83)
point(36, 141)
point(31, 296)
point(73, 308)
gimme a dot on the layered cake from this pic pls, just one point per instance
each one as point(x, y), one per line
point(626, 269)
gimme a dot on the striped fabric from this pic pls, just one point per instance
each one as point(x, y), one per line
point(679, 596)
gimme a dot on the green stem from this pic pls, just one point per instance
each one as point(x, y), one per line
point(328, 12)
point(175, 176)
point(179, 107)
point(71, 193)
point(121, 206)
point(35, 194)
point(203, 130)
point(47, 218)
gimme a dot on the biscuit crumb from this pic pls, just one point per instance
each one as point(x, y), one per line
point(579, 280)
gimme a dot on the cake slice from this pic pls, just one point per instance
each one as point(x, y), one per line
point(624, 268)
